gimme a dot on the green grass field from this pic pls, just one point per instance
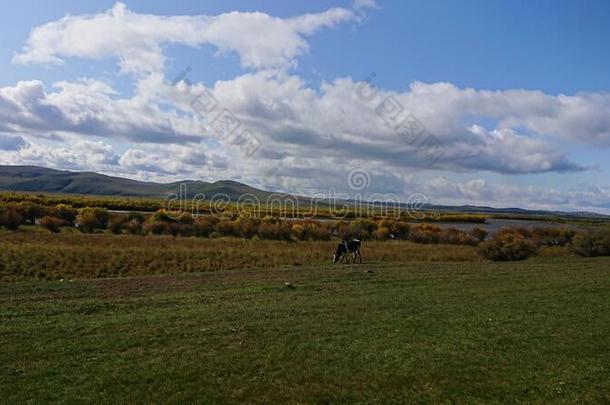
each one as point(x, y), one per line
point(415, 331)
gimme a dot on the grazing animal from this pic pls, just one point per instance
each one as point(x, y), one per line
point(345, 248)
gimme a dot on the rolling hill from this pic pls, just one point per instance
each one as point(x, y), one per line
point(36, 179)
point(44, 180)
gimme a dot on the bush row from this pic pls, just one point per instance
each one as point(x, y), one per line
point(286, 206)
point(163, 222)
point(12, 214)
point(521, 243)
point(592, 244)
point(90, 219)
point(506, 244)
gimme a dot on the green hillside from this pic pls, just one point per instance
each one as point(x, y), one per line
point(40, 179)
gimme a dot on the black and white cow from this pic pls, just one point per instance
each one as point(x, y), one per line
point(345, 248)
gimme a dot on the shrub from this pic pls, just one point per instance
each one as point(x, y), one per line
point(507, 246)
point(478, 234)
point(522, 231)
point(552, 236)
point(344, 231)
point(247, 227)
point(176, 229)
point(164, 216)
point(392, 229)
point(52, 223)
point(320, 232)
point(185, 229)
point(225, 227)
point(299, 232)
point(278, 231)
point(456, 236)
point(30, 212)
point(310, 230)
point(383, 232)
point(204, 226)
point(400, 229)
point(425, 233)
point(592, 244)
point(65, 212)
point(156, 228)
point(116, 224)
point(133, 227)
point(135, 216)
point(363, 229)
point(10, 216)
point(271, 219)
point(170, 222)
point(186, 219)
point(91, 218)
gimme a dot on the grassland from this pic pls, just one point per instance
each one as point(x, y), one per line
point(416, 331)
point(129, 318)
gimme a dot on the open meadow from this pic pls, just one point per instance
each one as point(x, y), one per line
point(134, 308)
point(136, 319)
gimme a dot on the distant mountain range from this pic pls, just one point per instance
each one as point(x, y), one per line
point(36, 179)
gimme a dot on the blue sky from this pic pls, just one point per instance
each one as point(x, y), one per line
point(556, 47)
point(515, 92)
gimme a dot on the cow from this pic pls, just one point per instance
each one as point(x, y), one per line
point(345, 248)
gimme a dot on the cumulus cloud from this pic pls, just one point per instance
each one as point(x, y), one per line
point(90, 108)
point(506, 151)
point(173, 160)
point(290, 119)
point(75, 154)
point(582, 117)
point(140, 161)
point(336, 122)
point(137, 40)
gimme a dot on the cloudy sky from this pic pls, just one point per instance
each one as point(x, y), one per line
point(487, 102)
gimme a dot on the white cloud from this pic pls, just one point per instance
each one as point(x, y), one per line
point(90, 108)
point(582, 117)
point(292, 119)
point(74, 154)
point(173, 160)
point(137, 40)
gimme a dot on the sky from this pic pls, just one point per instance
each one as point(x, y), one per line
point(505, 104)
